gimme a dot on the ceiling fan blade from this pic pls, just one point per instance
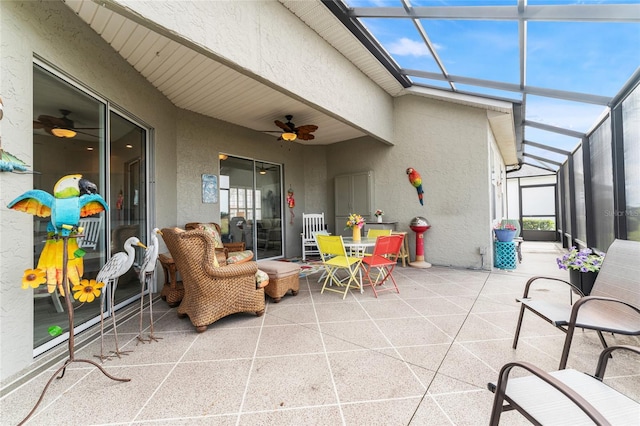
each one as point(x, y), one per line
point(306, 136)
point(284, 126)
point(38, 125)
point(51, 121)
point(307, 128)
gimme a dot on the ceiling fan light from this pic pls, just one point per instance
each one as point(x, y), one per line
point(262, 171)
point(223, 156)
point(289, 136)
point(63, 133)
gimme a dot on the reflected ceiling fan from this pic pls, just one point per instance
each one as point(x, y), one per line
point(61, 127)
point(290, 132)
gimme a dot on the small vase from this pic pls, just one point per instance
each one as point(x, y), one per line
point(356, 234)
point(379, 219)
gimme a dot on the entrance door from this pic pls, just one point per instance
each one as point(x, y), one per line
point(538, 207)
point(251, 205)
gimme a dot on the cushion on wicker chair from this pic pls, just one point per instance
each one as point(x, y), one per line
point(262, 279)
point(239, 256)
point(217, 239)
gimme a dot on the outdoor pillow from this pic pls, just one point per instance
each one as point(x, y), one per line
point(217, 240)
point(239, 256)
point(262, 279)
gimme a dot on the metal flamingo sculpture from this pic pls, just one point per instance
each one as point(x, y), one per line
point(147, 271)
point(117, 266)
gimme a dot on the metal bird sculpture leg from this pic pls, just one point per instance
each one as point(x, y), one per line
point(146, 275)
point(108, 291)
point(146, 285)
point(117, 266)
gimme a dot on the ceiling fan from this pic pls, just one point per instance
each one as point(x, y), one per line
point(291, 132)
point(62, 127)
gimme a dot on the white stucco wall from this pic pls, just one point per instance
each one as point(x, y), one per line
point(201, 138)
point(447, 144)
point(51, 31)
point(264, 39)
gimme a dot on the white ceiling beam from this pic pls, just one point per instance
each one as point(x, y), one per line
point(573, 12)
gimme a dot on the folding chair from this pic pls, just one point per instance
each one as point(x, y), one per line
point(565, 396)
point(383, 260)
point(334, 258)
point(375, 233)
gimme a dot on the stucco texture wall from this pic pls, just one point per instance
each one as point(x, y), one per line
point(52, 32)
point(447, 144)
point(201, 139)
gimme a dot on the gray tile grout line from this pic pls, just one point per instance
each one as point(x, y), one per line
point(175, 365)
point(253, 361)
point(326, 356)
point(445, 357)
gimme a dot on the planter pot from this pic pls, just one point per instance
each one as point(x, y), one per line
point(504, 235)
point(583, 280)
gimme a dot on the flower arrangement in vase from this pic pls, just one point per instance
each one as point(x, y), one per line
point(504, 232)
point(355, 222)
point(584, 260)
point(378, 214)
point(583, 266)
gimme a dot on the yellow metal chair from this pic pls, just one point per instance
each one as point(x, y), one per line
point(375, 233)
point(334, 258)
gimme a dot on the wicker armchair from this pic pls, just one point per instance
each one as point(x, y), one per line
point(211, 293)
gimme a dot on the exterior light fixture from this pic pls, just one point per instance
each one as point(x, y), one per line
point(289, 136)
point(89, 148)
point(223, 156)
point(63, 133)
point(128, 146)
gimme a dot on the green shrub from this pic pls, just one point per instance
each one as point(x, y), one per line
point(538, 224)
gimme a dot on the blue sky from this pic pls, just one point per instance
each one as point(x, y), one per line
point(586, 57)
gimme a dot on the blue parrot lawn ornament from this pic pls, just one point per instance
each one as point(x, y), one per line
point(73, 197)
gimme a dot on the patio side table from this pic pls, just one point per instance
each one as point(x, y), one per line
point(505, 254)
point(173, 290)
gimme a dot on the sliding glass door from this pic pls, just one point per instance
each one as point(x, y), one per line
point(251, 205)
point(76, 132)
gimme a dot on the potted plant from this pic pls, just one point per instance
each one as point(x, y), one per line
point(504, 232)
point(355, 222)
point(378, 214)
point(583, 266)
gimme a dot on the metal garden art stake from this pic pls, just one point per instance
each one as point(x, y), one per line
point(147, 271)
point(73, 198)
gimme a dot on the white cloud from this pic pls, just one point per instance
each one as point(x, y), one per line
point(408, 47)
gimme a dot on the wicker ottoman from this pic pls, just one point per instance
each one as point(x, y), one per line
point(283, 276)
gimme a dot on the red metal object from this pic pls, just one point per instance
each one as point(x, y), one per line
point(419, 225)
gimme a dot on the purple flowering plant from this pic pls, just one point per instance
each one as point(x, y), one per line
point(584, 260)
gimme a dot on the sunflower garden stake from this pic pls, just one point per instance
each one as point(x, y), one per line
point(73, 198)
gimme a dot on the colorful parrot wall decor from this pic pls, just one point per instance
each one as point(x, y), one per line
point(416, 181)
point(291, 202)
point(73, 197)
